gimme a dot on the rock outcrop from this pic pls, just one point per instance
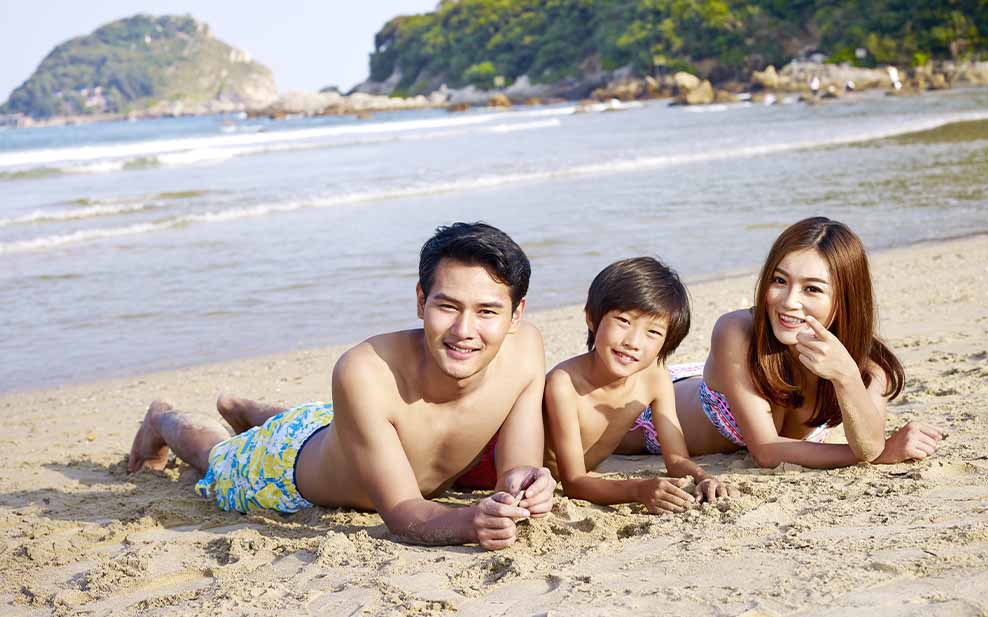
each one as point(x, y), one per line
point(143, 65)
point(333, 103)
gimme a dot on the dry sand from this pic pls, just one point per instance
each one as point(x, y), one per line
point(80, 536)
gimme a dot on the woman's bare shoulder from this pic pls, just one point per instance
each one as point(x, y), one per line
point(732, 328)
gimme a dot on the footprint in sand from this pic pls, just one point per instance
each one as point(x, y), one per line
point(940, 470)
point(585, 525)
point(765, 514)
point(634, 530)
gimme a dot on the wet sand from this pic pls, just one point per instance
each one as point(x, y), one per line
point(80, 536)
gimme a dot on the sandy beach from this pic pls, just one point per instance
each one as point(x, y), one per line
point(80, 536)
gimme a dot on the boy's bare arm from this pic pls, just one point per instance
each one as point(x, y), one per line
point(371, 445)
point(521, 440)
point(561, 405)
point(669, 433)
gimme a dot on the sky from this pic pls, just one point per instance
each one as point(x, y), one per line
point(307, 44)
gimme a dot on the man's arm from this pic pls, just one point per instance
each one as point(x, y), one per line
point(521, 441)
point(371, 444)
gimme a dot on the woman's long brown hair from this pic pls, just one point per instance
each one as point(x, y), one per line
point(772, 367)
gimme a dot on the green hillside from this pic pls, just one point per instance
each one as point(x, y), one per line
point(138, 64)
point(483, 42)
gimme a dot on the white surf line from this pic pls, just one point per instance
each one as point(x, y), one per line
point(613, 167)
point(148, 148)
point(42, 216)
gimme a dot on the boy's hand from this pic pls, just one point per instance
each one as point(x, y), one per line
point(712, 488)
point(538, 486)
point(494, 521)
point(659, 494)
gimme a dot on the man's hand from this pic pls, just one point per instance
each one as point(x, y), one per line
point(915, 440)
point(710, 489)
point(659, 494)
point(494, 521)
point(538, 486)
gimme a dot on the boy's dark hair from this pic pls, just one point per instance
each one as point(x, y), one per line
point(477, 244)
point(644, 284)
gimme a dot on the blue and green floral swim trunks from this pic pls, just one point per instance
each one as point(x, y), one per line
point(255, 470)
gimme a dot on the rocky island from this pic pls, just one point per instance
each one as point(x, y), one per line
point(497, 53)
point(142, 66)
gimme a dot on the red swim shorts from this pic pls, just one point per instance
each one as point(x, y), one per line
point(483, 475)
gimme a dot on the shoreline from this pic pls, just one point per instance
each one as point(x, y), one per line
point(333, 350)
point(77, 534)
point(363, 106)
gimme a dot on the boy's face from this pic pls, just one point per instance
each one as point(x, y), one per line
point(466, 317)
point(629, 341)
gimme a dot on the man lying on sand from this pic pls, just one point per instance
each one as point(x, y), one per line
point(411, 411)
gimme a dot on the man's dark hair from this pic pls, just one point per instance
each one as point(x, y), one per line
point(644, 284)
point(477, 244)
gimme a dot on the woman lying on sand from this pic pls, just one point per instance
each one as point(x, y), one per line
point(804, 359)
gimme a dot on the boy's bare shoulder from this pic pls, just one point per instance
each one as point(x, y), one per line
point(654, 382)
point(566, 376)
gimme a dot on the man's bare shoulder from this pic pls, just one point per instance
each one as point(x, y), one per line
point(527, 336)
point(525, 349)
point(379, 360)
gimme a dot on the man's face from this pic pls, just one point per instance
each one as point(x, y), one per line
point(466, 317)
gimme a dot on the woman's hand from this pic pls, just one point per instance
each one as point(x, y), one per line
point(824, 354)
point(914, 441)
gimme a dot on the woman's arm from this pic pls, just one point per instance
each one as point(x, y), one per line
point(727, 371)
point(862, 408)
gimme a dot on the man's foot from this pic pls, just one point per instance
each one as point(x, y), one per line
point(149, 449)
point(244, 414)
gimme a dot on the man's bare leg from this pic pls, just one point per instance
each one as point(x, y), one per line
point(190, 435)
point(244, 414)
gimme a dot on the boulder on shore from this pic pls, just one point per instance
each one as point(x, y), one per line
point(765, 80)
point(691, 90)
point(499, 100)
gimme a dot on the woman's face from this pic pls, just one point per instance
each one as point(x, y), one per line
point(801, 285)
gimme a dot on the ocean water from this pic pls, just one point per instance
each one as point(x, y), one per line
point(135, 246)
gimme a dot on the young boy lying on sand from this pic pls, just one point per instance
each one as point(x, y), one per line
point(637, 313)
